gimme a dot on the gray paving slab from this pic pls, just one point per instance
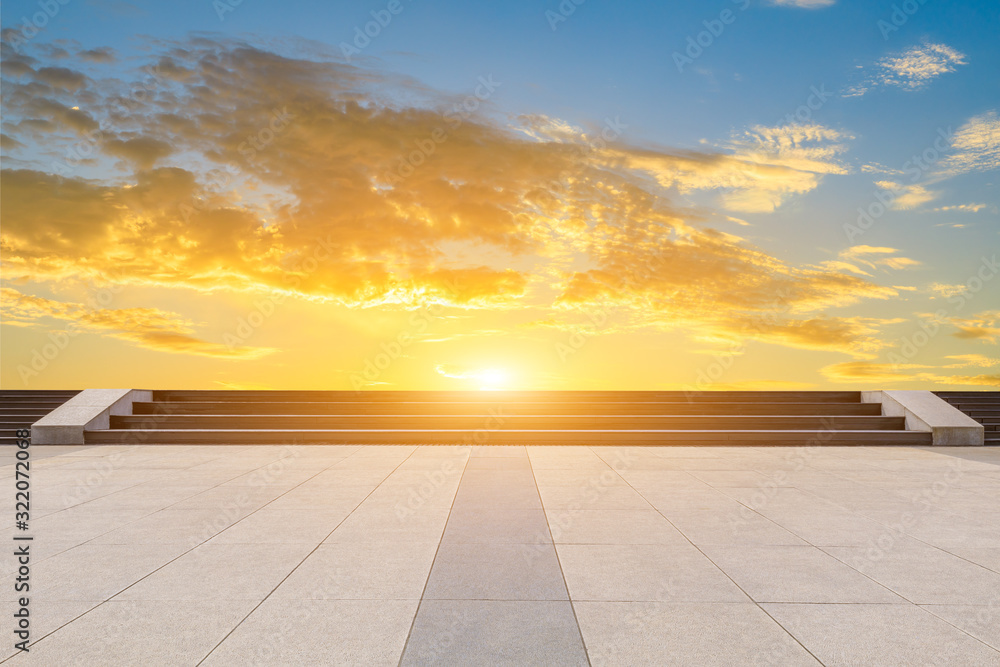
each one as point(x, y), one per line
point(494, 632)
point(704, 634)
point(853, 556)
point(732, 526)
point(606, 526)
point(921, 573)
point(361, 571)
point(59, 578)
point(221, 572)
point(483, 524)
point(982, 621)
point(876, 634)
point(139, 632)
point(318, 633)
point(796, 574)
point(644, 572)
point(495, 571)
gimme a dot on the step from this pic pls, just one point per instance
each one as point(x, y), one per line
point(508, 396)
point(506, 407)
point(32, 405)
point(519, 437)
point(506, 421)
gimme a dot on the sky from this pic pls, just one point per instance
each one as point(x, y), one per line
point(399, 194)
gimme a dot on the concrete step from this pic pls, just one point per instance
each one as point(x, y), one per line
point(511, 437)
point(973, 405)
point(508, 396)
point(21, 409)
point(982, 406)
point(507, 421)
point(31, 405)
point(468, 407)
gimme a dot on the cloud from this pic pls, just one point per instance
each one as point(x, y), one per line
point(946, 290)
point(961, 208)
point(148, 328)
point(863, 250)
point(967, 360)
point(762, 168)
point(103, 54)
point(919, 65)
point(9, 143)
point(911, 70)
point(56, 116)
point(853, 371)
point(984, 326)
point(861, 254)
point(143, 152)
point(866, 373)
point(250, 171)
point(876, 168)
point(486, 378)
point(906, 197)
point(60, 77)
point(976, 147)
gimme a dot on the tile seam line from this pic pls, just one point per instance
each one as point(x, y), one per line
point(726, 574)
point(562, 573)
point(855, 513)
point(908, 600)
point(102, 602)
point(430, 570)
point(945, 620)
point(135, 486)
point(312, 551)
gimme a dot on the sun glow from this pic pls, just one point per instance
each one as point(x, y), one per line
point(492, 379)
point(489, 379)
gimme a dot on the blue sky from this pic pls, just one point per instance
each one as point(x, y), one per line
point(874, 84)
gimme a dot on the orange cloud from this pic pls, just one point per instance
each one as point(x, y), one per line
point(257, 172)
point(983, 326)
point(855, 372)
point(145, 327)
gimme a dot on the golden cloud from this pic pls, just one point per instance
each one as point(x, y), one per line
point(252, 171)
point(875, 373)
point(984, 326)
point(149, 328)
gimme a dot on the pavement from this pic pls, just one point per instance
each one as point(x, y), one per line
point(493, 555)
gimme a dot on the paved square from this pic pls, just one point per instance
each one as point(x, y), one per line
point(369, 555)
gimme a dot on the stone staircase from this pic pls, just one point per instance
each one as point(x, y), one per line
point(21, 408)
point(983, 406)
point(499, 418)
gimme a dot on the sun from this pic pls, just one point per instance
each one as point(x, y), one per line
point(492, 379)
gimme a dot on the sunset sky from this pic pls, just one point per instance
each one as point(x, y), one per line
point(794, 194)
